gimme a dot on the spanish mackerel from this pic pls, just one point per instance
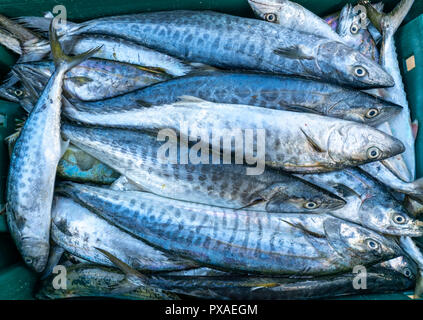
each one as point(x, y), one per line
point(232, 42)
point(327, 143)
point(136, 155)
point(263, 90)
point(79, 231)
point(245, 241)
point(33, 166)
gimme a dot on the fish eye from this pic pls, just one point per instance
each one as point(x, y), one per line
point(311, 205)
point(400, 219)
point(407, 272)
point(360, 72)
point(372, 113)
point(270, 17)
point(374, 153)
point(18, 92)
point(372, 244)
point(355, 28)
point(28, 260)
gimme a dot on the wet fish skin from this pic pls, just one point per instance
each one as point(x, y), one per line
point(97, 281)
point(238, 43)
point(79, 232)
point(33, 167)
point(95, 79)
point(328, 143)
point(263, 90)
point(354, 35)
point(369, 203)
point(135, 155)
point(379, 280)
point(400, 125)
point(294, 16)
point(322, 243)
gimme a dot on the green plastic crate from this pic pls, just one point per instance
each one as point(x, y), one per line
point(17, 281)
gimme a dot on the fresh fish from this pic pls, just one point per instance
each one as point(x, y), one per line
point(245, 241)
point(77, 165)
point(379, 280)
point(400, 125)
point(33, 166)
point(79, 232)
point(232, 42)
point(263, 90)
point(294, 16)
point(327, 143)
point(97, 281)
point(369, 203)
point(413, 251)
point(135, 155)
point(95, 79)
point(382, 174)
point(354, 35)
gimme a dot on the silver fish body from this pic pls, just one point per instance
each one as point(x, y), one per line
point(136, 155)
point(95, 79)
point(79, 231)
point(245, 241)
point(33, 166)
point(327, 143)
point(232, 42)
point(263, 90)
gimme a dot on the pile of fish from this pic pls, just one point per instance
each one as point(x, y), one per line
point(328, 189)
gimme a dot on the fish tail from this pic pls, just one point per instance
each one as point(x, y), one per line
point(61, 60)
point(388, 23)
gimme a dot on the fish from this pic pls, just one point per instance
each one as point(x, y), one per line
point(262, 90)
point(33, 166)
point(354, 35)
point(413, 251)
point(400, 126)
point(369, 203)
point(238, 240)
point(79, 166)
point(97, 281)
point(136, 156)
point(79, 231)
point(327, 143)
point(236, 43)
point(94, 79)
point(293, 16)
point(379, 279)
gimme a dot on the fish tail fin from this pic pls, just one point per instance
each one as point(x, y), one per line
point(388, 23)
point(61, 60)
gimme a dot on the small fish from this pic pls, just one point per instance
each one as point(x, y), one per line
point(236, 43)
point(33, 165)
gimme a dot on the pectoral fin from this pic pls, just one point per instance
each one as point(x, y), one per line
point(294, 52)
point(313, 143)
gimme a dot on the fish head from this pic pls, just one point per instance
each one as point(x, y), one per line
point(268, 10)
point(362, 244)
point(350, 67)
point(353, 144)
point(380, 212)
point(365, 108)
point(402, 265)
point(304, 197)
